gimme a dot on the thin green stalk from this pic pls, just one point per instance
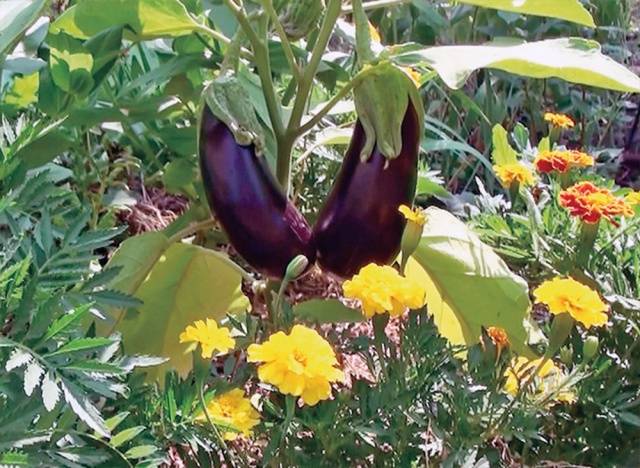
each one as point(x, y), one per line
point(284, 40)
point(313, 121)
point(261, 59)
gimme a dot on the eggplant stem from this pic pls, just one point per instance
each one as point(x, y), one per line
point(284, 40)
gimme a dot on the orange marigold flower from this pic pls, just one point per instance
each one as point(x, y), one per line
point(591, 203)
point(562, 161)
point(559, 120)
point(512, 173)
point(498, 336)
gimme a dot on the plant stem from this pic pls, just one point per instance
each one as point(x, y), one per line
point(285, 144)
point(313, 121)
point(191, 229)
point(284, 40)
point(261, 59)
point(586, 243)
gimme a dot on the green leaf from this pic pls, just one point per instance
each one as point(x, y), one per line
point(178, 174)
point(177, 286)
point(50, 143)
point(468, 285)
point(143, 19)
point(71, 64)
point(125, 436)
point(15, 17)
point(569, 10)
point(97, 367)
point(83, 408)
point(81, 344)
point(141, 451)
point(573, 59)
point(502, 153)
point(65, 321)
point(326, 311)
point(24, 91)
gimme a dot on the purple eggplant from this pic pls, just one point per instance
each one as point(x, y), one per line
point(263, 226)
point(360, 222)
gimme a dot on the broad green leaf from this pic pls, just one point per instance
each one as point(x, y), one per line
point(125, 436)
point(569, 10)
point(23, 92)
point(177, 284)
point(468, 286)
point(326, 311)
point(50, 143)
point(15, 17)
point(142, 19)
point(71, 64)
point(573, 59)
point(502, 153)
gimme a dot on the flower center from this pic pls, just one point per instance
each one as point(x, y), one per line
point(300, 357)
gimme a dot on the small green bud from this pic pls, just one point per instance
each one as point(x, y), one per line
point(590, 347)
point(296, 267)
point(566, 355)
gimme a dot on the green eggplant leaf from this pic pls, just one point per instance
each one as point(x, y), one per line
point(142, 19)
point(572, 59)
point(178, 284)
point(569, 10)
point(326, 311)
point(468, 285)
point(71, 64)
point(15, 17)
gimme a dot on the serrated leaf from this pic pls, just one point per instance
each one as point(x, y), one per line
point(115, 299)
point(18, 358)
point(125, 436)
point(66, 321)
point(115, 421)
point(468, 286)
point(84, 409)
point(95, 367)
point(572, 59)
point(50, 392)
point(32, 376)
point(44, 233)
point(81, 344)
point(141, 451)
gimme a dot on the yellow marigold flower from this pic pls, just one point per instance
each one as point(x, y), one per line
point(559, 120)
point(566, 295)
point(633, 199)
point(509, 174)
point(232, 409)
point(209, 336)
point(301, 363)
point(382, 289)
point(416, 216)
point(549, 379)
point(498, 336)
point(520, 370)
point(591, 203)
point(562, 161)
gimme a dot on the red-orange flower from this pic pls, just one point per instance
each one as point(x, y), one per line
point(591, 203)
point(562, 161)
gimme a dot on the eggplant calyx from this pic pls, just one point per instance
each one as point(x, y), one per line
point(229, 102)
point(381, 99)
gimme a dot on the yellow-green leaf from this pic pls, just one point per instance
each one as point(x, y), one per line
point(569, 10)
point(142, 19)
point(468, 285)
point(24, 91)
point(502, 153)
point(178, 284)
point(572, 59)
